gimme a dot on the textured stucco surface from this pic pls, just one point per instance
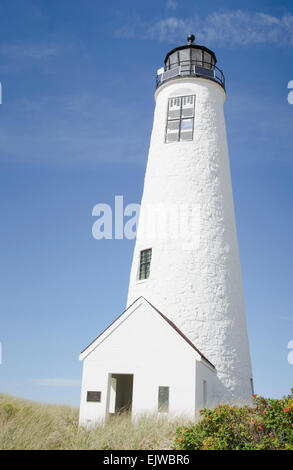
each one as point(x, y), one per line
point(200, 290)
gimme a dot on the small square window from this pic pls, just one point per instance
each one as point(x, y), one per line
point(173, 125)
point(185, 136)
point(186, 124)
point(187, 112)
point(174, 114)
point(172, 137)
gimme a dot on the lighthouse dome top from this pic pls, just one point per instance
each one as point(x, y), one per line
point(193, 60)
point(191, 50)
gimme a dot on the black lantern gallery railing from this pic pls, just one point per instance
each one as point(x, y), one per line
point(191, 68)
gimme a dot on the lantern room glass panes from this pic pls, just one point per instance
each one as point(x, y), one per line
point(173, 60)
point(180, 119)
point(207, 60)
point(145, 264)
point(196, 57)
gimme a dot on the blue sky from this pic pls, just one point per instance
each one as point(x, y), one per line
point(78, 80)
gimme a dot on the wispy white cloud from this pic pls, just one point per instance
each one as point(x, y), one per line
point(170, 29)
point(224, 28)
point(71, 129)
point(53, 382)
point(171, 5)
point(34, 51)
point(16, 57)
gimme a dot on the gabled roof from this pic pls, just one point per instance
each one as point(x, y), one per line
point(163, 316)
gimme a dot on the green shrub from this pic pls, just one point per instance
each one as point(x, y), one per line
point(266, 425)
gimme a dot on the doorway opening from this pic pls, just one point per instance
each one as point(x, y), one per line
point(120, 393)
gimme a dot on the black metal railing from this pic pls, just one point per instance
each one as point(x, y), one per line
point(195, 68)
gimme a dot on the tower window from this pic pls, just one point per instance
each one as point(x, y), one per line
point(180, 119)
point(145, 263)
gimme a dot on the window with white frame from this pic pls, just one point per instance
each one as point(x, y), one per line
point(180, 119)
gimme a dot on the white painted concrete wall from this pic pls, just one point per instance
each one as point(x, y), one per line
point(205, 373)
point(201, 289)
point(144, 345)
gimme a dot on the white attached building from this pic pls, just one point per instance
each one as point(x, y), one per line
point(182, 342)
point(144, 362)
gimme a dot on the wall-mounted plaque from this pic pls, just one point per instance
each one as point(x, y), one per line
point(93, 396)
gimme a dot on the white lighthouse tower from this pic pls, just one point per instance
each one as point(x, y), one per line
point(181, 344)
point(199, 289)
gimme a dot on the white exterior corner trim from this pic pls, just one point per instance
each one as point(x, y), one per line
point(208, 365)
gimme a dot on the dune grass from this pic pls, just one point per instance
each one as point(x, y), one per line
point(29, 425)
